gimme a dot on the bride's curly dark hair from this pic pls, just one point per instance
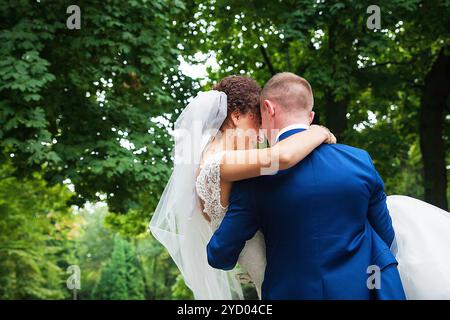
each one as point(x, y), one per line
point(242, 95)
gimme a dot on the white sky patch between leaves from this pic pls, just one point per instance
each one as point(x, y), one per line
point(199, 70)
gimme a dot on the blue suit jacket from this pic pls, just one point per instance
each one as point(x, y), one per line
point(325, 221)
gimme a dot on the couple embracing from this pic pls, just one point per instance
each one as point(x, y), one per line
point(304, 218)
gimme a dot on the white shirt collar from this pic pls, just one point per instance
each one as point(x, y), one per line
point(292, 127)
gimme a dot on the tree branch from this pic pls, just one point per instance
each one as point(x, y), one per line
point(267, 60)
point(288, 57)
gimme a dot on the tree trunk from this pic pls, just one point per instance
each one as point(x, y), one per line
point(267, 60)
point(335, 111)
point(335, 115)
point(431, 118)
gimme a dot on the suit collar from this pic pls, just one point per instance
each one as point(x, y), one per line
point(290, 130)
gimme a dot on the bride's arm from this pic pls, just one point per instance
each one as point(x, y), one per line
point(245, 164)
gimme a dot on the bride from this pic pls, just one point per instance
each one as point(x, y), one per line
point(215, 144)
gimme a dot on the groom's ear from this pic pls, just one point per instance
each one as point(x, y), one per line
point(311, 117)
point(269, 107)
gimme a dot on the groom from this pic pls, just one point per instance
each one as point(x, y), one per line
point(325, 221)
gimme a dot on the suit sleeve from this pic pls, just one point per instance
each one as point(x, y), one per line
point(378, 213)
point(239, 224)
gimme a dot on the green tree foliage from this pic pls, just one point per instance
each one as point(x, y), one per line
point(121, 278)
point(180, 291)
point(368, 84)
point(83, 102)
point(94, 247)
point(161, 275)
point(36, 230)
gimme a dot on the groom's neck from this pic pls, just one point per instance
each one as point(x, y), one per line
point(288, 121)
point(282, 123)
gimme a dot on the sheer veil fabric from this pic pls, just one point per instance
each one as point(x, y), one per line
point(177, 221)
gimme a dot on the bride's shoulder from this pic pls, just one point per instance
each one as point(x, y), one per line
point(211, 158)
point(208, 188)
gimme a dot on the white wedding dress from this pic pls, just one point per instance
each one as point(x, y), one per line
point(253, 257)
point(422, 245)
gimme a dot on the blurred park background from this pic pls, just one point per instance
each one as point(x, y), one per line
point(86, 114)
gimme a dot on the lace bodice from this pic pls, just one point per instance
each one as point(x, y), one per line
point(253, 256)
point(208, 189)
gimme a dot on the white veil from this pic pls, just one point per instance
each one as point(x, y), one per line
point(178, 222)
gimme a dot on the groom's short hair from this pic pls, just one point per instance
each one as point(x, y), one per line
point(290, 91)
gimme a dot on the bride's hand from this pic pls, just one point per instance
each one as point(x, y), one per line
point(328, 136)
